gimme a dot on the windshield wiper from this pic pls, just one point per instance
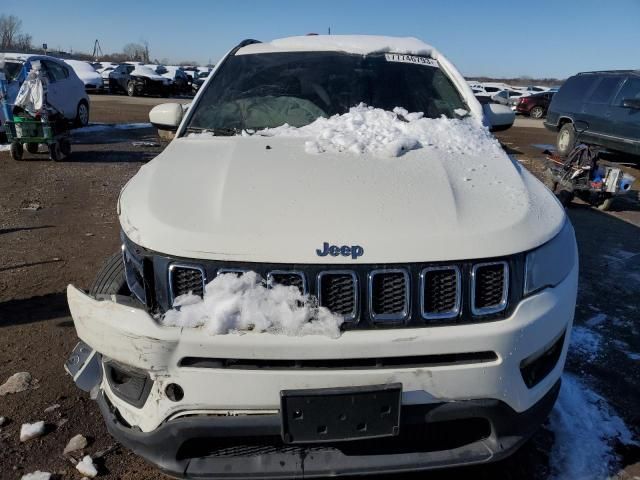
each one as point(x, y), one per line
point(217, 131)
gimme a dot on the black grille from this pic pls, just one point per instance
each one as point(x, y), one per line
point(389, 294)
point(288, 279)
point(185, 280)
point(489, 286)
point(440, 292)
point(338, 293)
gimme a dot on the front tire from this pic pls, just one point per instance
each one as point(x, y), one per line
point(566, 140)
point(111, 278)
point(537, 112)
point(82, 114)
point(16, 151)
point(131, 89)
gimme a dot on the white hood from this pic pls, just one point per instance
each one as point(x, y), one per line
point(265, 199)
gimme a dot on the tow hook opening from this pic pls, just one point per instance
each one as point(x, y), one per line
point(128, 383)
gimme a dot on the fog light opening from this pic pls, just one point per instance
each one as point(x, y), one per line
point(174, 392)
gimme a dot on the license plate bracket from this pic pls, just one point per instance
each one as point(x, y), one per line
point(340, 414)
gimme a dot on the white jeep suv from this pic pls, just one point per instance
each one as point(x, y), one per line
point(354, 176)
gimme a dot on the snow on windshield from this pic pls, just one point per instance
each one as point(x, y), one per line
point(240, 303)
point(372, 130)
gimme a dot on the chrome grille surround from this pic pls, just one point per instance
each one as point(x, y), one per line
point(451, 313)
point(398, 316)
point(173, 268)
point(497, 306)
point(356, 298)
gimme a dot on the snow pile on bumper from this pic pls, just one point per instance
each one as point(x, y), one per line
point(372, 130)
point(239, 303)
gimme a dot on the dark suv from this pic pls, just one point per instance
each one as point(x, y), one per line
point(603, 106)
point(535, 105)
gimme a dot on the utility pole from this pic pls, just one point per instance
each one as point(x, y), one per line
point(97, 51)
point(329, 31)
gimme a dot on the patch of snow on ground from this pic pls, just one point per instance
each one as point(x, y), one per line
point(239, 303)
point(584, 426)
point(586, 343)
point(624, 348)
point(596, 320)
point(373, 130)
point(5, 147)
point(37, 475)
point(31, 430)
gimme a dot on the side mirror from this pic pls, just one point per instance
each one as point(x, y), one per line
point(631, 103)
point(166, 116)
point(498, 117)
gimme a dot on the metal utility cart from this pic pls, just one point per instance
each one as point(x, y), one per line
point(24, 132)
point(23, 129)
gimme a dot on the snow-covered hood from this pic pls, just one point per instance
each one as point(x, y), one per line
point(267, 199)
point(147, 72)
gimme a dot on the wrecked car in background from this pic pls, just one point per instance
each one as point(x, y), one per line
point(330, 270)
point(135, 80)
point(66, 92)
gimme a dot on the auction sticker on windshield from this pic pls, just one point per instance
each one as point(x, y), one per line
point(397, 57)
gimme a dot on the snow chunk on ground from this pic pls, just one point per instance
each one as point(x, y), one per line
point(37, 475)
point(76, 443)
point(390, 134)
point(16, 383)
point(2, 421)
point(236, 303)
point(5, 147)
point(586, 343)
point(86, 467)
point(584, 426)
point(31, 430)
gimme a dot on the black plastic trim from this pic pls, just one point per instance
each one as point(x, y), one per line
point(162, 447)
point(341, 363)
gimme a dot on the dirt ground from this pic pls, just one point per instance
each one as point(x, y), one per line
point(58, 223)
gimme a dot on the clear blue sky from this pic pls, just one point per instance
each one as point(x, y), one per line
point(496, 38)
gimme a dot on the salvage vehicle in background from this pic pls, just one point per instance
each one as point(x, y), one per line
point(454, 333)
point(87, 73)
point(605, 105)
point(66, 92)
point(180, 81)
point(137, 80)
point(535, 105)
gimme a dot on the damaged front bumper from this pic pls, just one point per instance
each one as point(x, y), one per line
point(226, 420)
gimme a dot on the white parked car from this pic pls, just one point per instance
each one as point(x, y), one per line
point(66, 92)
point(90, 77)
point(330, 270)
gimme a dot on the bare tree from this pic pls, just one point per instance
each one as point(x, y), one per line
point(24, 42)
point(10, 26)
point(135, 52)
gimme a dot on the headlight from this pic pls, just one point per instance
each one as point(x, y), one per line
point(134, 273)
point(548, 265)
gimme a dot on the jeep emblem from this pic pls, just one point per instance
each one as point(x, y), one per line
point(354, 251)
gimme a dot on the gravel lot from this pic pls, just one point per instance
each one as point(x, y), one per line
point(58, 223)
